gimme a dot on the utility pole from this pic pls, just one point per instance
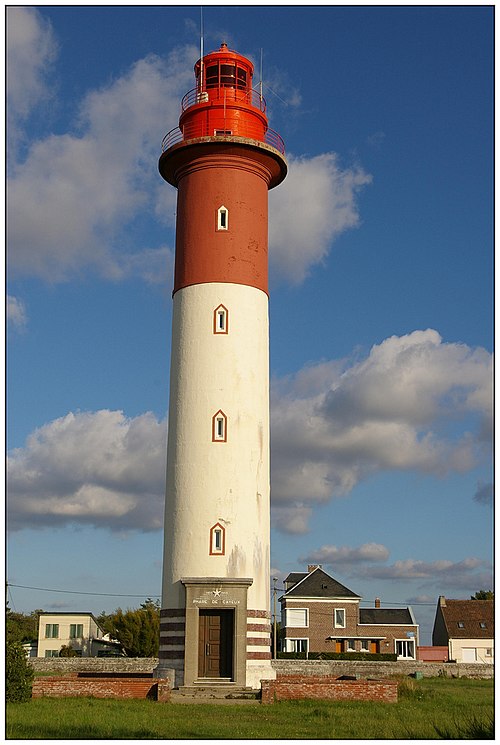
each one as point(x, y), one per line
point(275, 579)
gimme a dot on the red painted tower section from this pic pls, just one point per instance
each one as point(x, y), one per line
point(223, 159)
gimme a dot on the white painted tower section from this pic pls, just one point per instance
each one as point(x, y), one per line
point(226, 482)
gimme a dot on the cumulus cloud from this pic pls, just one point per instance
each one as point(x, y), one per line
point(31, 49)
point(414, 403)
point(16, 313)
point(99, 468)
point(72, 198)
point(309, 210)
point(346, 555)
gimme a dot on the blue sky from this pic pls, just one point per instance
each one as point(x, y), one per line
point(381, 260)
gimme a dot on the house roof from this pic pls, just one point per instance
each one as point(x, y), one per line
point(463, 618)
point(316, 584)
point(386, 616)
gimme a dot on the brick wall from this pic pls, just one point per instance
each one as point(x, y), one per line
point(100, 686)
point(328, 688)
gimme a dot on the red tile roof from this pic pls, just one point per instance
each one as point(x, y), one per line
point(464, 619)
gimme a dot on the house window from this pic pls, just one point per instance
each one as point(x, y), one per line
point(217, 540)
point(222, 218)
point(339, 618)
point(297, 645)
point(51, 653)
point(297, 618)
point(219, 427)
point(222, 132)
point(365, 645)
point(221, 320)
point(350, 645)
point(52, 631)
point(405, 649)
point(488, 651)
point(76, 630)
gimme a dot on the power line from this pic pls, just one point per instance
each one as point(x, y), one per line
point(80, 592)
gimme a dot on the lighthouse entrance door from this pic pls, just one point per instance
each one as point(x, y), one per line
point(215, 644)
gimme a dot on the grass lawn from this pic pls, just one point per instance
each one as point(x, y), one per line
point(433, 708)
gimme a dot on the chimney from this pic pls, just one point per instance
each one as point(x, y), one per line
point(312, 567)
point(377, 602)
point(442, 601)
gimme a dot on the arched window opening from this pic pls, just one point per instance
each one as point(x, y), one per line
point(217, 540)
point(221, 320)
point(219, 427)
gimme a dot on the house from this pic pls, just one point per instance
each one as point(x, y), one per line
point(319, 614)
point(81, 631)
point(466, 628)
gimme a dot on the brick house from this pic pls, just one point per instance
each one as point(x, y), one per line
point(466, 627)
point(319, 614)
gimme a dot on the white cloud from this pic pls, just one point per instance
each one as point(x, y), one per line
point(31, 50)
point(96, 468)
point(16, 313)
point(309, 210)
point(73, 198)
point(346, 555)
point(332, 426)
point(415, 403)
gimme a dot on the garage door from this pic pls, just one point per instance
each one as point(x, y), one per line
point(469, 654)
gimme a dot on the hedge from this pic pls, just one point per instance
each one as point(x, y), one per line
point(364, 656)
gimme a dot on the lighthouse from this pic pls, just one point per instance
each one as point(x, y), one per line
point(222, 158)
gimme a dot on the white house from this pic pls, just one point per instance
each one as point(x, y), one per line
point(78, 630)
point(466, 628)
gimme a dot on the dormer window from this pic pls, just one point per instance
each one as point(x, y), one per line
point(482, 624)
point(222, 218)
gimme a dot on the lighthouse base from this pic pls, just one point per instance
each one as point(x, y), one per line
point(216, 637)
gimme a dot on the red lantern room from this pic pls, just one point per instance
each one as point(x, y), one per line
point(223, 102)
point(223, 107)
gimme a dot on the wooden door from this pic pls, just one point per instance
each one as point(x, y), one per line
point(338, 646)
point(374, 647)
point(215, 644)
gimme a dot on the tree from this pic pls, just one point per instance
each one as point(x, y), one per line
point(137, 630)
point(483, 595)
point(18, 674)
point(21, 627)
point(68, 651)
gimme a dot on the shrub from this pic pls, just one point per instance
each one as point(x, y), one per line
point(18, 674)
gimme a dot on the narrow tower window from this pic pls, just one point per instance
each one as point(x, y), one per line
point(217, 539)
point(219, 427)
point(221, 325)
point(222, 218)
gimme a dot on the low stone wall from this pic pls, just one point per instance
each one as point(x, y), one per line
point(328, 688)
point(93, 664)
point(381, 669)
point(283, 667)
point(101, 686)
